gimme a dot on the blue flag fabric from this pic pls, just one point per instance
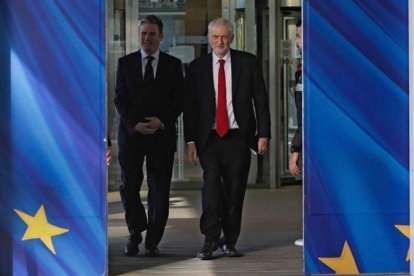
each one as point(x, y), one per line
point(52, 129)
point(356, 136)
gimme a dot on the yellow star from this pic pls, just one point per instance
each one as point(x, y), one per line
point(405, 229)
point(39, 228)
point(345, 264)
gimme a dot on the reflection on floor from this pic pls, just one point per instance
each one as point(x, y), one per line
point(272, 221)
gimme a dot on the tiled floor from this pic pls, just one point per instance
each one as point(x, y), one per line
point(272, 220)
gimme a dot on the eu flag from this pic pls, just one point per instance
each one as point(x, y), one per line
point(52, 129)
point(356, 146)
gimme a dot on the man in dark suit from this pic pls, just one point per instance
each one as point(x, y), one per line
point(296, 147)
point(148, 97)
point(227, 108)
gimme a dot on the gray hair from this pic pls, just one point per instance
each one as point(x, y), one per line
point(220, 21)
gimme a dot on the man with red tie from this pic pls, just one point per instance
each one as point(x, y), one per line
point(226, 113)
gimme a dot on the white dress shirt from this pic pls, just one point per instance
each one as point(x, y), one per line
point(144, 61)
point(232, 124)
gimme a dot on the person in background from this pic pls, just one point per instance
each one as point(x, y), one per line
point(226, 114)
point(148, 97)
point(296, 147)
point(108, 151)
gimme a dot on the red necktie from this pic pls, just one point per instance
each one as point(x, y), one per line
point(221, 116)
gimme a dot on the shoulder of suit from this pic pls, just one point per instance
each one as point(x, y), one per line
point(202, 59)
point(133, 55)
point(242, 54)
point(169, 57)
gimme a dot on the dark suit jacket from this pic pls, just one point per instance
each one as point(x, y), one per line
point(134, 100)
point(297, 138)
point(250, 99)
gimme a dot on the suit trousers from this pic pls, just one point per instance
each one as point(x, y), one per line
point(158, 152)
point(226, 163)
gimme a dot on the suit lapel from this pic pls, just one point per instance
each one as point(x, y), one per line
point(235, 72)
point(139, 65)
point(209, 72)
point(211, 90)
point(134, 67)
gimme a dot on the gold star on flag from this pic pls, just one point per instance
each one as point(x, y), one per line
point(344, 264)
point(39, 228)
point(405, 229)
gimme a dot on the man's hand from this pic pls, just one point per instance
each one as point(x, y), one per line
point(150, 126)
point(191, 153)
point(262, 145)
point(153, 122)
point(293, 163)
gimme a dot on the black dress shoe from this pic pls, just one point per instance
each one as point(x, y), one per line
point(206, 252)
point(152, 251)
point(230, 251)
point(131, 247)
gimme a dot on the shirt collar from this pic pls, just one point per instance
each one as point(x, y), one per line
point(144, 55)
point(226, 57)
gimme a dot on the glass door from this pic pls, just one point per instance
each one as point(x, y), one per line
point(185, 36)
point(290, 59)
point(116, 47)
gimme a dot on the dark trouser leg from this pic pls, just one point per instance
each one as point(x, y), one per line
point(160, 160)
point(210, 222)
point(236, 165)
point(131, 161)
point(226, 163)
